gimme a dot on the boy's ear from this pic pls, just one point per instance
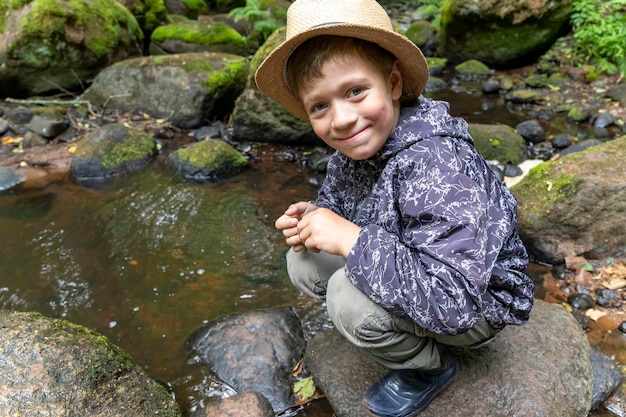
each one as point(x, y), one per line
point(395, 81)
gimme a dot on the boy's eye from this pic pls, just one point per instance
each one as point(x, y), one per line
point(318, 107)
point(356, 91)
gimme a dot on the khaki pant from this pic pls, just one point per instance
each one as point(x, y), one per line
point(393, 341)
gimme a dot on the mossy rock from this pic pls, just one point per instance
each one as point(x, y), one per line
point(58, 368)
point(473, 68)
point(275, 39)
point(419, 32)
point(500, 34)
point(194, 36)
point(109, 152)
point(498, 142)
point(185, 89)
point(62, 44)
point(574, 205)
point(207, 161)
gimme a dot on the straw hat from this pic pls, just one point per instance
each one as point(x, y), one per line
point(363, 19)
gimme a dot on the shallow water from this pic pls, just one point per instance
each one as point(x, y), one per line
point(150, 258)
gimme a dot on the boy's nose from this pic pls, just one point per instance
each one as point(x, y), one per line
point(343, 115)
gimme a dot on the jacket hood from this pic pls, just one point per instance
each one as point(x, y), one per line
point(429, 118)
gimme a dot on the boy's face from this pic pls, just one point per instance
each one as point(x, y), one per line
point(352, 106)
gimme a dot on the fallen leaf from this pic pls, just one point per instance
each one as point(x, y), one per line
point(305, 388)
point(72, 149)
point(615, 283)
point(297, 370)
point(594, 314)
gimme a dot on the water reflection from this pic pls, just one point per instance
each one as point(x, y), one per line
point(148, 259)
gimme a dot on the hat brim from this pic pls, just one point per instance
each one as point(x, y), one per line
point(270, 77)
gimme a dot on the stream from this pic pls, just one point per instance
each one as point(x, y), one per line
point(149, 258)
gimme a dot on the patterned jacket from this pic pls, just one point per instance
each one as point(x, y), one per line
point(439, 240)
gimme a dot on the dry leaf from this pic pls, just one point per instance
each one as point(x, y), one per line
point(594, 314)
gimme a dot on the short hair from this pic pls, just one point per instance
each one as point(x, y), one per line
point(305, 63)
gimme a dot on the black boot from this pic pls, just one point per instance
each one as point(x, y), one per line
point(405, 392)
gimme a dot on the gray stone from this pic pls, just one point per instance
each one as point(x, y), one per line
point(254, 351)
point(540, 369)
point(56, 368)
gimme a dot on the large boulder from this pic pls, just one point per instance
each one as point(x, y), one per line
point(185, 89)
point(540, 369)
point(575, 205)
point(55, 368)
point(51, 45)
point(501, 33)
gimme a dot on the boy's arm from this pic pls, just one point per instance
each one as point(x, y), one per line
point(437, 270)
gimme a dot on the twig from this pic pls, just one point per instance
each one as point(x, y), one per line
point(72, 102)
point(59, 87)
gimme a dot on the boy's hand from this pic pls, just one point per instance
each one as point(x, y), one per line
point(324, 230)
point(288, 222)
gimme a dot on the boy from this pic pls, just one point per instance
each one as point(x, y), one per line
point(412, 240)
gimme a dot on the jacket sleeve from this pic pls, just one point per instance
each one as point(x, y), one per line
point(435, 269)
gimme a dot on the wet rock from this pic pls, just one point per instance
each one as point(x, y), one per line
point(184, 35)
point(254, 351)
point(580, 301)
point(542, 368)
point(207, 132)
point(618, 93)
point(56, 368)
point(602, 120)
point(20, 116)
point(491, 86)
point(69, 49)
point(606, 377)
point(48, 127)
point(436, 84)
point(185, 89)
point(4, 126)
point(110, 152)
point(560, 272)
point(206, 161)
point(463, 36)
point(562, 140)
point(258, 118)
point(9, 178)
point(246, 404)
point(525, 96)
point(498, 142)
point(531, 131)
point(471, 69)
point(568, 206)
point(580, 146)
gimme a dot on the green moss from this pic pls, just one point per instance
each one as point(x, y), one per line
point(138, 146)
point(211, 153)
point(545, 186)
point(232, 71)
point(473, 66)
point(103, 363)
point(202, 34)
point(577, 114)
point(101, 22)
